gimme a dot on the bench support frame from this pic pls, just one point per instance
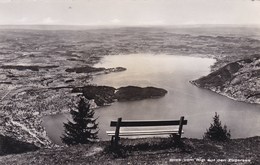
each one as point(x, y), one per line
point(116, 137)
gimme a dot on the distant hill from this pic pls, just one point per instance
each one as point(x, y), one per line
point(239, 80)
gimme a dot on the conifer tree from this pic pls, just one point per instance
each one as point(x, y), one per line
point(83, 128)
point(216, 131)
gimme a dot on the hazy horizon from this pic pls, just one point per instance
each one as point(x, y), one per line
point(130, 12)
point(135, 26)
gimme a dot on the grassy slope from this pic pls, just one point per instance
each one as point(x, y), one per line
point(144, 151)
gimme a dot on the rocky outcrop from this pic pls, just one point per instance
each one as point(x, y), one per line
point(104, 95)
point(239, 80)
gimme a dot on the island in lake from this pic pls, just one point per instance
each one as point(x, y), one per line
point(105, 95)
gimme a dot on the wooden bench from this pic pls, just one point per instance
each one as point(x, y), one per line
point(115, 135)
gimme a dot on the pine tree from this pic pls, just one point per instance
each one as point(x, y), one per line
point(216, 131)
point(83, 128)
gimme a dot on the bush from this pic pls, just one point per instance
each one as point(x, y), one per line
point(83, 129)
point(216, 132)
point(9, 145)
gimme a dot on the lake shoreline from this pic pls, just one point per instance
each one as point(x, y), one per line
point(30, 68)
point(42, 138)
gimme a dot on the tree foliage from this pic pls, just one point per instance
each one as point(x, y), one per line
point(83, 128)
point(216, 132)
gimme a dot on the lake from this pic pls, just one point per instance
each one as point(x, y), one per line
point(172, 73)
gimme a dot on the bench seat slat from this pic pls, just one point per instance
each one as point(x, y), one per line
point(143, 132)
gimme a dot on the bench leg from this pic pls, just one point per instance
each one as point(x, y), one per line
point(117, 132)
point(112, 140)
point(178, 139)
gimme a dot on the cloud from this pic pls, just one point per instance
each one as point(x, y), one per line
point(153, 22)
point(23, 20)
point(5, 1)
point(115, 21)
point(63, 1)
point(49, 20)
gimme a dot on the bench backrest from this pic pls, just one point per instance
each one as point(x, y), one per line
point(145, 123)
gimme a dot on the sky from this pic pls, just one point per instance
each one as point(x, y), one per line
point(129, 12)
